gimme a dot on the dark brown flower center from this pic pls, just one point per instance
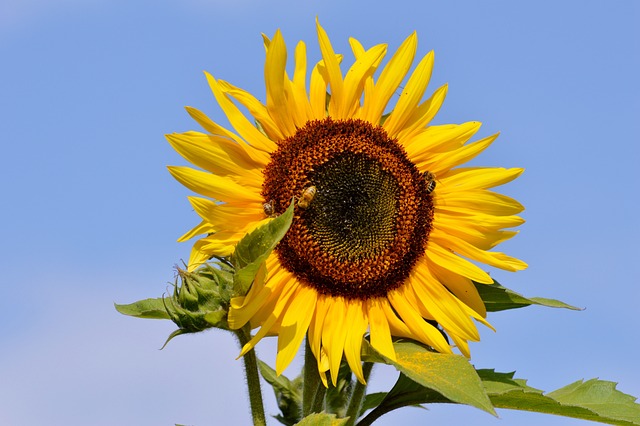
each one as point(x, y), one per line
point(365, 210)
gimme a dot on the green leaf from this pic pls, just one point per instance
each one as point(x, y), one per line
point(452, 377)
point(288, 394)
point(595, 400)
point(322, 419)
point(254, 248)
point(408, 393)
point(147, 308)
point(499, 298)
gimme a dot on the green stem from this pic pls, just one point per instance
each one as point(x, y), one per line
point(379, 411)
point(253, 378)
point(373, 415)
point(358, 395)
point(311, 378)
point(318, 401)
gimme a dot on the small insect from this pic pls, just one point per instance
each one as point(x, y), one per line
point(430, 179)
point(268, 208)
point(306, 197)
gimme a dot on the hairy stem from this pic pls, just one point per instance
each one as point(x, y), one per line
point(318, 401)
point(253, 378)
point(358, 395)
point(311, 381)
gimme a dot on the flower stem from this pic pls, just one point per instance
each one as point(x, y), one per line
point(358, 395)
point(253, 378)
point(318, 401)
point(311, 381)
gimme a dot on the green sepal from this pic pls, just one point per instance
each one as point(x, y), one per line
point(288, 394)
point(254, 248)
point(322, 419)
point(499, 298)
point(595, 400)
point(175, 333)
point(429, 376)
point(147, 308)
point(217, 318)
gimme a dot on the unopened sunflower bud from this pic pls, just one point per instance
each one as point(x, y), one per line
point(200, 299)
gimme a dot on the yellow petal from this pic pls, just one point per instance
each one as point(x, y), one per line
point(422, 330)
point(497, 259)
point(206, 123)
point(410, 97)
point(355, 79)
point(323, 367)
point(243, 309)
point(390, 78)
point(238, 302)
point(255, 107)
point(436, 139)
point(202, 228)
point(441, 162)
point(197, 257)
point(463, 179)
point(476, 202)
point(379, 328)
point(471, 232)
point(217, 187)
point(217, 155)
point(295, 324)
point(356, 47)
point(223, 216)
point(423, 114)
point(462, 345)
point(396, 326)
point(334, 334)
point(275, 316)
point(443, 305)
point(356, 323)
point(318, 93)
point(492, 222)
point(448, 260)
point(461, 286)
point(219, 244)
point(243, 126)
point(317, 325)
point(274, 77)
point(334, 74)
point(358, 51)
point(299, 89)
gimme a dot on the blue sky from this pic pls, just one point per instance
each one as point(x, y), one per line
point(90, 215)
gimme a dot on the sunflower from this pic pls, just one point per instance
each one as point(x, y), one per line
point(387, 228)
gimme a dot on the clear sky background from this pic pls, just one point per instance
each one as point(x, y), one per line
point(90, 215)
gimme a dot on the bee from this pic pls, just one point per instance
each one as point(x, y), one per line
point(430, 179)
point(268, 208)
point(307, 196)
